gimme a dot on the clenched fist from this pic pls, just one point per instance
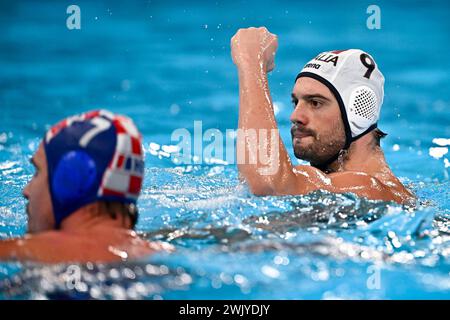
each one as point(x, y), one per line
point(254, 46)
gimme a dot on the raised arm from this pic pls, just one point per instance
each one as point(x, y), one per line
point(262, 157)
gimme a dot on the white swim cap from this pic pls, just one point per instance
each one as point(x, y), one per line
point(355, 80)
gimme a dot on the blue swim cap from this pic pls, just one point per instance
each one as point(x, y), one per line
point(90, 157)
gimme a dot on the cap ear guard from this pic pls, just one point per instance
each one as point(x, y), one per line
point(362, 110)
point(74, 176)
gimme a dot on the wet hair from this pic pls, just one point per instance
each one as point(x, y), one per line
point(378, 135)
point(116, 208)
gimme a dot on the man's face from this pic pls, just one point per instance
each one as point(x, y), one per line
point(39, 207)
point(317, 127)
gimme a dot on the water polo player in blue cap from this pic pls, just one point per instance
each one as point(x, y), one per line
point(82, 197)
point(337, 100)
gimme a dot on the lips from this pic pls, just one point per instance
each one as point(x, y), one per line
point(299, 131)
point(300, 135)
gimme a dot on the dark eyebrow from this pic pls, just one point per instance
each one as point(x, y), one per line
point(311, 96)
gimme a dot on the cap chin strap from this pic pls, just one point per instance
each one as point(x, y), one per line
point(348, 133)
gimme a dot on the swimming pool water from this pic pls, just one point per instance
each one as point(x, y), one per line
point(168, 64)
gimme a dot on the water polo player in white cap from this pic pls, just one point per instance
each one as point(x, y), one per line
point(337, 99)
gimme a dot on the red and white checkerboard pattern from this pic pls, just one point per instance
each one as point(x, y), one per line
point(119, 179)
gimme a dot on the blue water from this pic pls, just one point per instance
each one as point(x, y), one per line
point(166, 65)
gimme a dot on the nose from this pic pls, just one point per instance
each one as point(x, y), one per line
point(300, 114)
point(26, 191)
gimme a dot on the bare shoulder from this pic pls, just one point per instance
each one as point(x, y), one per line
point(388, 189)
point(28, 247)
point(353, 178)
point(314, 177)
point(338, 180)
point(360, 183)
point(58, 246)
